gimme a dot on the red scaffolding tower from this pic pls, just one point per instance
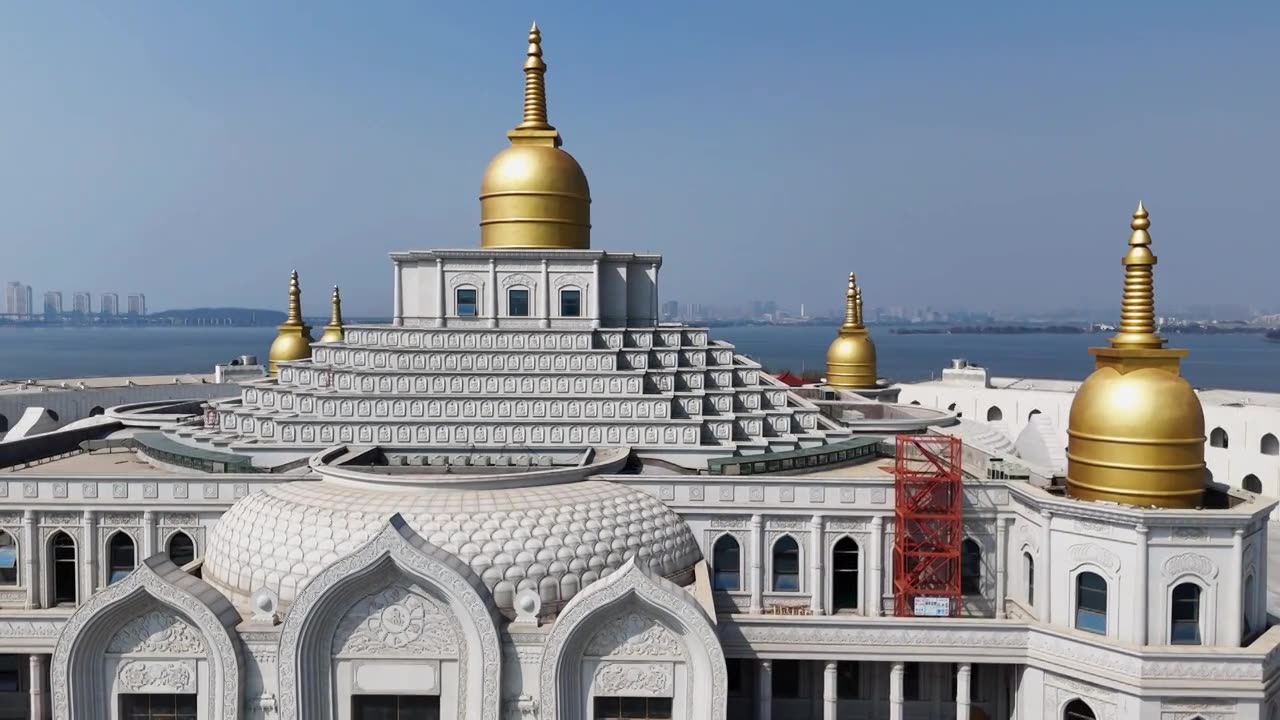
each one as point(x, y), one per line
point(928, 525)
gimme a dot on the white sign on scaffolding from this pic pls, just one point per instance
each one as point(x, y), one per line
point(932, 607)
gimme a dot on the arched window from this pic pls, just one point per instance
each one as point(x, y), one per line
point(786, 565)
point(64, 573)
point(1029, 572)
point(4, 423)
point(1032, 414)
point(994, 413)
point(8, 559)
point(970, 567)
point(1252, 484)
point(96, 411)
point(915, 402)
point(467, 301)
point(1218, 438)
point(726, 563)
point(182, 549)
point(1078, 710)
point(518, 302)
point(1269, 445)
point(570, 302)
point(844, 575)
point(1247, 606)
point(123, 557)
point(1184, 615)
point(1091, 603)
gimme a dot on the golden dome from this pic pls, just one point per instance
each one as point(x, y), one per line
point(294, 339)
point(851, 358)
point(333, 331)
point(533, 194)
point(1136, 430)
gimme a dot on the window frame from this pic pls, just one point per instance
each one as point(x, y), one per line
point(773, 564)
point(565, 291)
point(109, 567)
point(168, 547)
point(716, 568)
point(976, 590)
point(52, 561)
point(1076, 609)
point(1029, 577)
point(457, 301)
point(528, 301)
point(1173, 621)
point(856, 572)
point(16, 570)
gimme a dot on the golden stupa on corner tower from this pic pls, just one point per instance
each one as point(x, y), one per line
point(535, 195)
point(1136, 433)
point(293, 341)
point(851, 358)
point(333, 332)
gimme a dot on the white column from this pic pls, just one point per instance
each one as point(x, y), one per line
point(1235, 593)
point(87, 552)
point(544, 297)
point(874, 592)
point(493, 293)
point(36, 694)
point(830, 699)
point(442, 308)
point(896, 671)
point(1044, 569)
point(656, 310)
point(1141, 621)
point(816, 561)
point(148, 535)
point(31, 559)
point(757, 555)
point(764, 690)
point(595, 293)
point(397, 298)
point(963, 675)
point(1002, 559)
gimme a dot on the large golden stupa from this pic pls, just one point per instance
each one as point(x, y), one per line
point(851, 358)
point(535, 195)
point(293, 338)
point(1136, 432)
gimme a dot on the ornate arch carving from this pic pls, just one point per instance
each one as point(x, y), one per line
point(466, 279)
point(629, 591)
point(308, 631)
point(1190, 563)
point(518, 280)
point(183, 601)
point(1091, 554)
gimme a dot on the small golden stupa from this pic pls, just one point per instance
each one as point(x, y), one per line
point(333, 331)
point(294, 339)
point(851, 359)
point(1136, 433)
point(535, 195)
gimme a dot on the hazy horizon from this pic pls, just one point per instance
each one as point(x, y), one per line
point(953, 155)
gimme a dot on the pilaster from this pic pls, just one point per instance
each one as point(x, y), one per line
point(442, 307)
point(876, 599)
point(757, 555)
point(595, 293)
point(1234, 605)
point(830, 700)
point(816, 572)
point(31, 578)
point(896, 672)
point(148, 535)
point(493, 293)
point(89, 551)
point(1141, 620)
point(1002, 560)
point(1044, 568)
point(397, 300)
point(964, 673)
point(764, 690)
point(35, 693)
point(544, 296)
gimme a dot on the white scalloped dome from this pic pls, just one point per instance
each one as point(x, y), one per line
point(554, 539)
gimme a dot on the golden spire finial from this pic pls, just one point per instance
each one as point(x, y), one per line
point(333, 332)
point(295, 301)
point(851, 302)
point(535, 88)
point(1138, 306)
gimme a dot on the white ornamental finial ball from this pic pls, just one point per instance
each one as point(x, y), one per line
point(527, 605)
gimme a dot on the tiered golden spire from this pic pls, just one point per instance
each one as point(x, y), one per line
point(1136, 432)
point(293, 341)
point(851, 359)
point(333, 331)
point(534, 195)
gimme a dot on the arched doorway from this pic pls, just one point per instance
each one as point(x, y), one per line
point(994, 414)
point(844, 575)
point(182, 549)
point(1252, 484)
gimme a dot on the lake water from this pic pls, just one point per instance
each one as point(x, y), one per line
point(1244, 362)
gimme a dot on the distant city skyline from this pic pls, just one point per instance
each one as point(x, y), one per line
point(19, 302)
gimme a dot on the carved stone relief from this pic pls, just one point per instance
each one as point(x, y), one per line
point(157, 633)
point(396, 622)
point(143, 676)
point(1096, 554)
point(1193, 563)
point(634, 634)
point(633, 679)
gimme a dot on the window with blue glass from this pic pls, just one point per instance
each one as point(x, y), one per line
point(123, 557)
point(518, 302)
point(786, 565)
point(570, 303)
point(1091, 603)
point(8, 559)
point(467, 301)
point(1185, 615)
point(726, 562)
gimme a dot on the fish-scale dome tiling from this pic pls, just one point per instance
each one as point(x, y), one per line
point(553, 539)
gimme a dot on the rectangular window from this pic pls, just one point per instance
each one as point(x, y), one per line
point(158, 707)
point(848, 681)
point(632, 708)
point(518, 302)
point(570, 303)
point(786, 679)
point(395, 707)
point(467, 302)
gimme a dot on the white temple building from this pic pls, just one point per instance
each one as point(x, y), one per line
point(528, 498)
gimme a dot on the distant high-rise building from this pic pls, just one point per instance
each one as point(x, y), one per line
point(670, 310)
point(52, 303)
point(137, 304)
point(18, 299)
point(82, 303)
point(110, 305)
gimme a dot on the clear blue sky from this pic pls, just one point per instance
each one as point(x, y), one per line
point(958, 154)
